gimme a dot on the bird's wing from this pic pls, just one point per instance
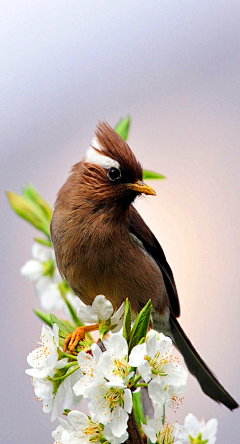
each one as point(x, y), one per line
point(139, 228)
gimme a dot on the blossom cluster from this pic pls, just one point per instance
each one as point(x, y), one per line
point(43, 272)
point(108, 379)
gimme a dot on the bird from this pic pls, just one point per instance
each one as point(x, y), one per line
point(103, 246)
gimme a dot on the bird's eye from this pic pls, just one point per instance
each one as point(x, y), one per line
point(114, 173)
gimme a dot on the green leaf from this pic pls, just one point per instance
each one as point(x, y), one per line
point(64, 289)
point(46, 242)
point(65, 328)
point(45, 317)
point(34, 195)
point(141, 325)
point(152, 175)
point(122, 127)
point(127, 322)
point(138, 408)
point(30, 211)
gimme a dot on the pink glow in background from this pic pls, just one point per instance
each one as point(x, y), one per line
point(174, 67)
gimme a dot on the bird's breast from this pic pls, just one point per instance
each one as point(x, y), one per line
point(109, 262)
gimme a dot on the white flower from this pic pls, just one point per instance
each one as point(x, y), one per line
point(110, 405)
point(199, 431)
point(101, 310)
point(160, 369)
point(87, 364)
point(43, 272)
point(164, 433)
point(113, 364)
point(114, 439)
point(83, 430)
point(61, 433)
point(43, 389)
point(45, 358)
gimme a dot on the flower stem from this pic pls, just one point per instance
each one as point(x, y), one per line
point(137, 379)
point(70, 356)
point(68, 374)
point(163, 418)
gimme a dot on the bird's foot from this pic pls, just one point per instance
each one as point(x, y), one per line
point(73, 339)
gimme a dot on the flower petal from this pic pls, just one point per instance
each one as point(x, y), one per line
point(145, 370)
point(119, 421)
point(118, 346)
point(127, 398)
point(137, 355)
point(193, 425)
point(150, 432)
point(156, 390)
point(86, 314)
point(40, 252)
point(32, 270)
point(102, 307)
point(118, 318)
point(78, 419)
point(152, 344)
point(210, 429)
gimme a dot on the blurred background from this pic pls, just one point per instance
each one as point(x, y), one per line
point(174, 67)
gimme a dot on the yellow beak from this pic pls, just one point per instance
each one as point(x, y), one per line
point(141, 187)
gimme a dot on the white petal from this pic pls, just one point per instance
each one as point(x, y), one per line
point(96, 351)
point(127, 398)
point(156, 390)
point(145, 370)
point(118, 346)
point(118, 318)
point(137, 355)
point(51, 298)
point(61, 363)
point(177, 375)
point(32, 372)
point(86, 314)
point(102, 307)
point(113, 439)
point(78, 419)
point(41, 285)
point(193, 425)
point(119, 421)
point(150, 432)
point(210, 429)
point(152, 345)
point(32, 270)
point(158, 414)
point(40, 252)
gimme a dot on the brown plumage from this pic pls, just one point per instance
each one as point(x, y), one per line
point(103, 246)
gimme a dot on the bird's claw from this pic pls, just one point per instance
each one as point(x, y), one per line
point(73, 339)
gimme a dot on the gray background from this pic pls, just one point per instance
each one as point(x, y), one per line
point(174, 66)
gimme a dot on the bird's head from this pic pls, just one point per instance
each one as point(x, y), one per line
point(109, 177)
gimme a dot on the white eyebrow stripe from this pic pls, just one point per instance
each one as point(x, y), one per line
point(92, 156)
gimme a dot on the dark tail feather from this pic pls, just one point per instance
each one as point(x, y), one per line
point(209, 383)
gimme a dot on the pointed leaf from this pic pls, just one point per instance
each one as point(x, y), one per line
point(152, 175)
point(46, 242)
point(29, 210)
point(65, 328)
point(127, 322)
point(122, 127)
point(45, 317)
point(141, 325)
point(34, 195)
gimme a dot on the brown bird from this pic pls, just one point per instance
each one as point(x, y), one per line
point(103, 246)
